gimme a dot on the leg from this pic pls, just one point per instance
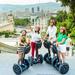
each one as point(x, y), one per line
point(21, 56)
point(36, 52)
point(59, 56)
point(63, 57)
point(62, 49)
point(63, 53)
point(33, 48)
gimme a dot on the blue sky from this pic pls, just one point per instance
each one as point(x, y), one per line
point(25, 2)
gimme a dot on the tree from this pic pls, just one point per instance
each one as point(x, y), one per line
point(22, 22)
point(65, 19)
point(61, 16)
point(71, 4)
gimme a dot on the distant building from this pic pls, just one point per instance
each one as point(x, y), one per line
point(8, 24)
point(38, 9)
point(33, 10)
point(37, 17)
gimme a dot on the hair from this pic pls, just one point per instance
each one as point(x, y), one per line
point(64, 30)
point(38, 30)
point(53, 20)
point(24, 31)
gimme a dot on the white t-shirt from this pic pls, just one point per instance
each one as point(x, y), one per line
point(52, 32)
point(35, 37)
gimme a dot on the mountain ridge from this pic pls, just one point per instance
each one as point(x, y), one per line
point(44, 6)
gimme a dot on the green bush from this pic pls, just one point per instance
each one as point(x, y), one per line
point(73, 32)
point(7, 33)
point(65, 19)
point(22, 22)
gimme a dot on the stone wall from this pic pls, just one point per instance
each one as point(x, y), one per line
point(7, 27)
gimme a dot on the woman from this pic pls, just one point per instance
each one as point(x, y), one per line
point(61, 38)
point(21, 45)
point(34, 38)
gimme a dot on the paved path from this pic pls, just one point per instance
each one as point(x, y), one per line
point(7, 60)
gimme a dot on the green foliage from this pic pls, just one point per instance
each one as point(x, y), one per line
point(61, 16)
point(71, 5)
point(22, 22)
point(73, 32)
point(66, 20)
point(7, 33)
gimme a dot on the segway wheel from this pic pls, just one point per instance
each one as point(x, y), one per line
point(40, 58)
point(17, 69)
point(45, 56)
point(64, 68)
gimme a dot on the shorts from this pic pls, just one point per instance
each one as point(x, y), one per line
point(21, 49)
point(62, 48)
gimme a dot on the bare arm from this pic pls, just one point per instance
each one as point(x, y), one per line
point(20, 41)
point(27, 40)
point(63, 40)
point(58, 43)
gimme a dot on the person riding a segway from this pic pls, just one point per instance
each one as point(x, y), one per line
point(51, 34)
point(23, 43)
point(23, 49)
point(35, 45)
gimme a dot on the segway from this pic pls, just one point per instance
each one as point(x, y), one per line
point(19, 68)
point(63, 68)
point(39, 57)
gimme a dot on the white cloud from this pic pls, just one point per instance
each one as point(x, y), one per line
point(24, 1)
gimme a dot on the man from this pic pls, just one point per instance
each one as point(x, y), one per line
point(51, 32)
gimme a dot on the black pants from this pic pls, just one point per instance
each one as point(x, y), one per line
point(67, 48)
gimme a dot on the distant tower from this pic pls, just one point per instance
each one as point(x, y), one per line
point(32, 10)
point(8, 25)
point(11, 23)
point(10, 18)
point(38, 9)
